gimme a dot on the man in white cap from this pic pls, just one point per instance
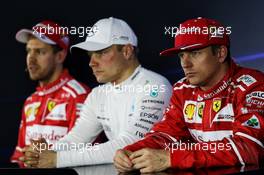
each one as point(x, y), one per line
point(52, 110)
point(126, 107)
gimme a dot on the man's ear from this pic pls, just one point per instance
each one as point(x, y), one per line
point(127, 51)
point(60, 56)
point(222, 53)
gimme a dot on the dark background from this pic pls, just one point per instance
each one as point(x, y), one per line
point(147, 18)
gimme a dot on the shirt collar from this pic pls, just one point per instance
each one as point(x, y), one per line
point(53, 86)
point(220, 86)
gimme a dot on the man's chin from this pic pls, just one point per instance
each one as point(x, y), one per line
point(193, 82)
point(101, 80)
point(34, 77)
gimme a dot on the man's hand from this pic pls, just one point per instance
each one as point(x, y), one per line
point(30, 157)
point(47, 159)
point(150, 160)
point(31, 152)
point(122, 161)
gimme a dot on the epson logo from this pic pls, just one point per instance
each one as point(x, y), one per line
point(149, 115)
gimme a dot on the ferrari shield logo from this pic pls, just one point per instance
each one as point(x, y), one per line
point(216, 104)
point(51, 105)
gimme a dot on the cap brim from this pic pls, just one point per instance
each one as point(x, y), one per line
point(175, 50)
point(90, 46)
point(23, 34)
point(169, 52)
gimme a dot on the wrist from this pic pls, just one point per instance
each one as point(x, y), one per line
point(168, 158)
point(55, 159)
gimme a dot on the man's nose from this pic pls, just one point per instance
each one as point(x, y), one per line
point(31, 56)
point(185, 60)
point(93, 60)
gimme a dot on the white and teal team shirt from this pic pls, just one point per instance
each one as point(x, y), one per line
point(125, 112)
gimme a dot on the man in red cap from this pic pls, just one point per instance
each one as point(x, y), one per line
point(52, 110)
point(216, 113)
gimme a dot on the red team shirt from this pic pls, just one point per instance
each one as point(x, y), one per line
point(51, 111)
point(225, 123)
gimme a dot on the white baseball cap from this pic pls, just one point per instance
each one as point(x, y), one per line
point(106, 32)
point(46, 31)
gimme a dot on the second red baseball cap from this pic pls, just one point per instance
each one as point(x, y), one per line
point(198, 33)
point(47, 31)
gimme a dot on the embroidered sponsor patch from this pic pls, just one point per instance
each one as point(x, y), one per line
point(189, 110)
point(51, 105)
point(193, 111)
point(31, 111)
point(244, 110)
point(200, 107)
point(255, 94)
point(226, 114)
point(250, 102)
point(247, 80)
point(154, 93)
point(58, 112)
point(253, 122)
point(217, 104)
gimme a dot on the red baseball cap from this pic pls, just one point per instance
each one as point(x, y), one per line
point(198, 33)
point(47, 31)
